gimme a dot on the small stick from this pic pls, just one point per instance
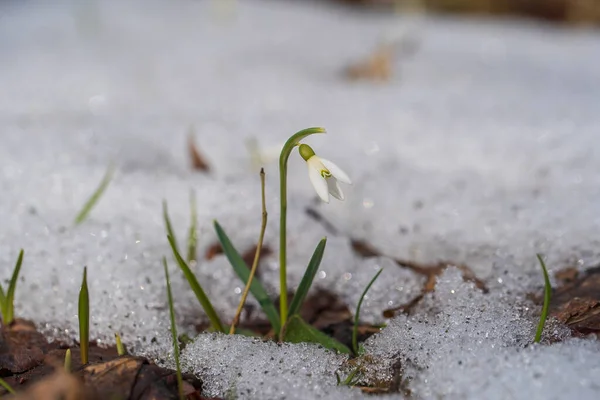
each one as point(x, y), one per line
point(256, 254)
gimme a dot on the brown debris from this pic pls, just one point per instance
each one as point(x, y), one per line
point(34, 368)
point(377, 67)
point(199, 163)
point(21, 349)
point(59, 385)
point(577, 302)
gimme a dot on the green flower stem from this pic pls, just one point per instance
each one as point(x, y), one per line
point(283, 159)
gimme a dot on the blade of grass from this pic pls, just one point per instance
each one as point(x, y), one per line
point(261, 236)
point(9, 302)
point(307, 279)
point(87, 207)
point(197, 289)
point(241, 269)
point(168, 225)
point(357, 314)
point(7, 386)
point(68, 361)
point(2, 303)
point(120, 347)
point(547, 296)
point(192, 234)
point(84, 319)
point(174, 332)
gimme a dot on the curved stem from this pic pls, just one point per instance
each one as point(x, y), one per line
point(283, 159)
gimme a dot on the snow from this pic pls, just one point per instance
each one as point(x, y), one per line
point(481, 151)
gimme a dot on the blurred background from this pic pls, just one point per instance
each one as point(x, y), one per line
point(568, 12)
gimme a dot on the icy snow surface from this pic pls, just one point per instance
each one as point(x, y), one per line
point(482, 150)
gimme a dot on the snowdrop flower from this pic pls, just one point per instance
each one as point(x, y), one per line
point(324, 175)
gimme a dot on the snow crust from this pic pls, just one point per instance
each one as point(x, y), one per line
point(482, 150)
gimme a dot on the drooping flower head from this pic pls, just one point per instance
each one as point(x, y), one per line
point(324, 174)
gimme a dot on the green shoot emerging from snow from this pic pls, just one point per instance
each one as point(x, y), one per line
point(84, 319)
point(174, 332)
point(193, 232)
point(7, 300)
point(68, 361)
point(197, 289)
point(87, 207)
point(120, 347)
point(547, 295)
point(357, 314)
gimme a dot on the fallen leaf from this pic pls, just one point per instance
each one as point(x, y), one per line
point(199, 163)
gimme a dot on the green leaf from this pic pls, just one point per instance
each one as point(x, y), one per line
point(6, 386)
point(174, 332)
point(120, 347)
point(2, 303)
point(193, 232)
point(84, 319)
point(241, 269)
point(547, 296)
point(168, 225)
point(298, 331)
point(9, 301)
point(197, 289)
point(87, 207)
point(307, 279)
point(357, 314)
point(67, 363)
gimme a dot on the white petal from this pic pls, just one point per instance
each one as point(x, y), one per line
point(318, 183)
point(334, 188)
point(336, 171)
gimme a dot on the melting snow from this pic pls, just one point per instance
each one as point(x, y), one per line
point(481, 150)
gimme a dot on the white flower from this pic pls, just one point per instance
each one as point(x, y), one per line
point(324, 175)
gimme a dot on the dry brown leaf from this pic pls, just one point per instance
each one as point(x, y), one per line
point(199, 163)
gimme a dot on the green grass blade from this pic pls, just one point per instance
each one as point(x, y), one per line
point(2, 303)
point(87, 207)
point(241, 269)
point(193, 232)
point(84, 319)
point(174, 332)
point(120, 347)
point(168, 225)
point(547, 296)
point(298, 331)
point(7, 386)
point(9, 302)
point(357, 314)
point(68, 361)
point(197, 289)
point(307, 279)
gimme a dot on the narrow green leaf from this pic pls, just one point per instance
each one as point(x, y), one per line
point(174, 332)
point(307, 279)
point(357, 314)
point(7, 386)
point(547, 296)
point(68, 361)
point(168, 225)
point(298, 331)
point(241, 269)
point(84, 319)
point(12, 287)
point(197, 289)
point(87, 207)
point(192, 234)
point(120, 347)
point(2, 303)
